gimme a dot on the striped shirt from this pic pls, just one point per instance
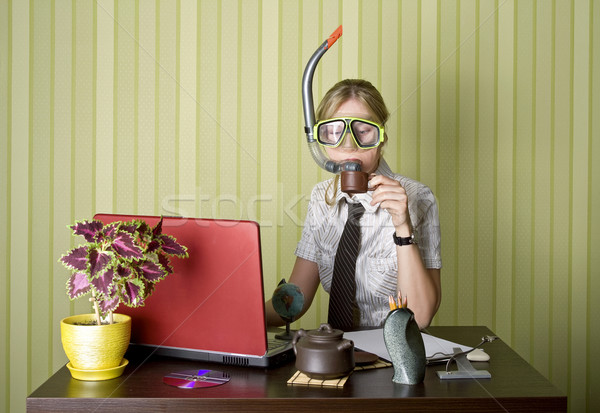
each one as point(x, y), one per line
point(377, 265)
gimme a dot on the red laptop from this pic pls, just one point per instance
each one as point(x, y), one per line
point(212, 307)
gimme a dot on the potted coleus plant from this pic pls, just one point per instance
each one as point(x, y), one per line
point(120, 263)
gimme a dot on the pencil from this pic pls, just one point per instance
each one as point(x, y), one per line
point(402, 301)
point(392, 303)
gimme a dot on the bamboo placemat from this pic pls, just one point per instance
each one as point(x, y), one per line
point(302, 379)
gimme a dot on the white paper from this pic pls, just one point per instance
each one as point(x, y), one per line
point(372, 342)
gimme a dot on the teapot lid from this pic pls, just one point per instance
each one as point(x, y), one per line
point(326, 332)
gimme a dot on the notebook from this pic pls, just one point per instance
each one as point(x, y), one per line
point(212, 308)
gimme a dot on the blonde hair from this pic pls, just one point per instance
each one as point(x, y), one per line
point(361, 90)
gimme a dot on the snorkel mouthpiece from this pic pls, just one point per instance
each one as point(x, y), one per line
point(350, 183)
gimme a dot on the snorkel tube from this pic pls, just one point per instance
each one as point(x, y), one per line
point(353, 180)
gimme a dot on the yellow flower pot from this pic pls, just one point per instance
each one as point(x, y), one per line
point(94, 348)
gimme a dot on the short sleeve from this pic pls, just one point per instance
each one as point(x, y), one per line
point(427, 228)
point(306, 247)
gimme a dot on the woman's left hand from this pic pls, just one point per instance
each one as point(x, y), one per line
point(392, 197)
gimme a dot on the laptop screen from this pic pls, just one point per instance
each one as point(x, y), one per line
point(214, 300)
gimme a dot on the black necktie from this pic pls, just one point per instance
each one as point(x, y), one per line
point(343, 284)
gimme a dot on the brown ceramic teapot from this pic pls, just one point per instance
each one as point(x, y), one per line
point(323, 353)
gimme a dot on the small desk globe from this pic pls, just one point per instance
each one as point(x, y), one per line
point(288, 301)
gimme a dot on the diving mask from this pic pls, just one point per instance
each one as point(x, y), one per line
point(365, 133)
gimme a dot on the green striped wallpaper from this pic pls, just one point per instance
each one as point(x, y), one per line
point(194, 108)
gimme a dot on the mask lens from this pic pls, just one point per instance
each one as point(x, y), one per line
point(366, 134)
point(330, 133)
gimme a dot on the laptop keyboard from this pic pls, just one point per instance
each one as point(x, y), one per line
point(274, 343)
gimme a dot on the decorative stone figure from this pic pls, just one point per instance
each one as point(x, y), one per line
point(405, 345)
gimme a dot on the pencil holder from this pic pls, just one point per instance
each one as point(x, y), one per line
point(405, 345)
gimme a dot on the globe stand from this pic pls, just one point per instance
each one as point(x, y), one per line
point(287, 335)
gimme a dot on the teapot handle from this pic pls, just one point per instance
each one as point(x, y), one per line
point(299, 334)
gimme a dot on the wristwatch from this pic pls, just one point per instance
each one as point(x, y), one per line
point(404, 240)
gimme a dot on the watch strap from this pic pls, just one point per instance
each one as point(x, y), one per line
point(400, 241)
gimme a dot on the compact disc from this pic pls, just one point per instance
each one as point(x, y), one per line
point(191, 379)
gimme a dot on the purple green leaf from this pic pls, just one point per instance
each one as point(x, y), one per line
point(172, 247)
point(110, 230)
point(108, 304)
point(76, 259)
point(153, 246)
point(166, 263)
point(144, 229)
point(77, 285)
point(123, 271)
point(125, 246)
point(87, 229)
point(130, 228)
point(157, 230)
point(133, 291)
point(103, 283)
point(98, 261)
point(151, 271)
point(148, 288)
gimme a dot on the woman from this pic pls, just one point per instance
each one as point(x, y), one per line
point(397, 211)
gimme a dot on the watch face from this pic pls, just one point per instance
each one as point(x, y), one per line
point(415, 236)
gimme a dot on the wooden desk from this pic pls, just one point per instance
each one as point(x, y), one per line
point(515, 386)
